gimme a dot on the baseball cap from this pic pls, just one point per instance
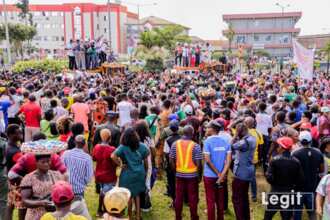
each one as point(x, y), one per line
point(188, 110)
point(62, 192)
point(285, 142)
point(305, 137)
point(325, 109)
point(66, 90)
point(173, 116)
point(116, 200)
point(174, 124)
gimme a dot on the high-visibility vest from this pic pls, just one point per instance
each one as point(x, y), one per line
point(184, 155)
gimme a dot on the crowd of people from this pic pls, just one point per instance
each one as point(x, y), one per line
point(86, 55)
point(190, 55)
point(210, 127)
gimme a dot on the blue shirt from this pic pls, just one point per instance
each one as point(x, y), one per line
point(80, 167)
point(243, 152)
point(4, 105)
point(217, 147)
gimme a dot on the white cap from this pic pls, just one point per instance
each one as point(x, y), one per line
point(188, 110)
point(305, 136)
point(325, 109)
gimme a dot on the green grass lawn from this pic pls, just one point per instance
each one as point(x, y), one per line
point(160, 203)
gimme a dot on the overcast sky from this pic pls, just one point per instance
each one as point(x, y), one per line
point(204, 17)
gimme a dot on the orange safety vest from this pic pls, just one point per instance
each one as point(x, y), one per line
point(184, 153)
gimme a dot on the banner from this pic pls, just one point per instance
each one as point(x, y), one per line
point(304, 59)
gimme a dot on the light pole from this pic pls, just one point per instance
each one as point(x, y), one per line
point(109, 20)
point(7, 32)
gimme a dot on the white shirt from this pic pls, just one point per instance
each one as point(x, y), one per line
point(264, 122)
point(13, 109)
point(124, 108)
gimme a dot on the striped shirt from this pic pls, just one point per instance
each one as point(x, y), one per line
point(80, 167)
point(196, 155)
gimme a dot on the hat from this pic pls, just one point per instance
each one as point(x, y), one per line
point(62, 192)
point(112, 113)
point(285, 142)
point(306, 125)
point(174, 124)
point(216, 125)
point(66, 90)
point(116, 200)
point(325, 109)
point(173, 116)
point(188, 110)
point(305, 137)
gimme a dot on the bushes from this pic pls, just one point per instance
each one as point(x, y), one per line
point(154, 65)
point(42, 65)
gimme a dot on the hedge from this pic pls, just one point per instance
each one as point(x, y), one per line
point(51, 65)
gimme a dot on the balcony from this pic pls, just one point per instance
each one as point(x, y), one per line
point(264, 31)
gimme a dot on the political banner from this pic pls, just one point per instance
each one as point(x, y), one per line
point(304, 59)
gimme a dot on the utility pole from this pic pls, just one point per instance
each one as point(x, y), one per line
point(7, 32)
point(109, 20)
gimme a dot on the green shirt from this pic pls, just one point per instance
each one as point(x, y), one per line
point(150, 118)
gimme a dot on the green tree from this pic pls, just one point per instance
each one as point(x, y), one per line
point(262, 53)
point(25, 14)
point(326, 49)
point(18, 33)
point(229, 34)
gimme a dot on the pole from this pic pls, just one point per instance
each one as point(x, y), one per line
point(7, 32)
point(109, 19)
point(138, 11)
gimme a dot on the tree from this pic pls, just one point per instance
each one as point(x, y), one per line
point(262, 53)
point(18, 33)
point(165, 37)
point(23, 5)
point(229, 34)
point(326, 49)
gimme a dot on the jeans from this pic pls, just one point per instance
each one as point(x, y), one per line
point(186, 186)
point(240, 199)
point(309, 203)
point(72, 63)
point(254, 186)
point(214, 199)
point(264, 152)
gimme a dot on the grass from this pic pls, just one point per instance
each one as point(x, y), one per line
point(160, 203)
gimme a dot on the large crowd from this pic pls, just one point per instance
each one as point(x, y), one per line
point(140, 127)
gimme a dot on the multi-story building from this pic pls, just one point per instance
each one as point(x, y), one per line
point(272, 32)
point(57, 24)
point(317, 41)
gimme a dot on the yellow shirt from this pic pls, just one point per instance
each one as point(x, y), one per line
point(70, 216)
point(259, 141)
point(70, 99)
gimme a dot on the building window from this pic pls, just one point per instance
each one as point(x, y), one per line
point(268, 37)
point(62, 38)
point(47, 26)
point(37, 13)
point(97, 27)
point(54, 13)
point(45, 38)
point(241, 39)
point(105, 18)
point(105, 30)
point(256, 38)
point(62, 26)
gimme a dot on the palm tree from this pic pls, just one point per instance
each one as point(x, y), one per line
point(23, 5)
point(326, 49)
point(230, 35)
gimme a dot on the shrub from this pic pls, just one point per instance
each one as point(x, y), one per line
point(154, 65)
point(42, 65)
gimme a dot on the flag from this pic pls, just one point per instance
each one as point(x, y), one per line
point(304, 59)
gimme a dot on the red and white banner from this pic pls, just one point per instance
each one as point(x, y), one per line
point(304, 58)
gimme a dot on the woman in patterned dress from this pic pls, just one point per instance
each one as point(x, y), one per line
point(36, 188)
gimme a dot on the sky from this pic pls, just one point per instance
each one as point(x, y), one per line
point(204, 17)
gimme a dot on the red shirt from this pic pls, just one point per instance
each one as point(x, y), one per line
point(32, 113)
point(105, 171)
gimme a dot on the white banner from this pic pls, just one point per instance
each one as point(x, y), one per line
point(304, 58)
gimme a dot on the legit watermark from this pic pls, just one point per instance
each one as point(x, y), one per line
point(289, 201)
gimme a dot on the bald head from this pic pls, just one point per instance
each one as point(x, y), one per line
point(249, 122)
point(188, 131)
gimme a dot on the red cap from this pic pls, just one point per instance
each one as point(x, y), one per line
point(62, 192)
point(306, 125)
point(66, 90)
point(285, 142)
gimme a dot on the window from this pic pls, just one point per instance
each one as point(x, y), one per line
point(105, 30)
point(37, 13)
point(37, 38)
point(45, 38)
point(105, 18)
point(240, 39)
point(256, 38)
point(47, 26)
point(268, 37)
point(62, 26)
point(54, 13)
point(62, 38)
point(97, 27)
